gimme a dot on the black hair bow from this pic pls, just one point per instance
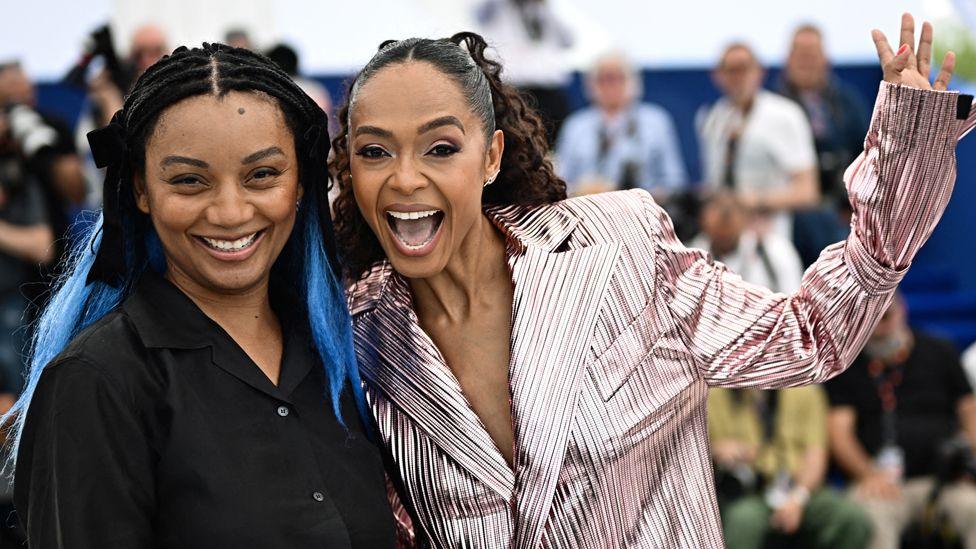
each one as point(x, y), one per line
point(109, 151)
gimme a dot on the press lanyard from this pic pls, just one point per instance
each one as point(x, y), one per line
point(886, 380)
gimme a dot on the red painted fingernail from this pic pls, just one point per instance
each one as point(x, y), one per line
point(902, 49)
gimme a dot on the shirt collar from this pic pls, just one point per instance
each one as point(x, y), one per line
point(164, 317)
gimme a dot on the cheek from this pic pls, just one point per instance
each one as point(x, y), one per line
point(366, 194)
point(172, 211)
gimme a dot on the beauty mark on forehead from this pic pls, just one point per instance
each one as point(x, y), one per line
point(240, 110)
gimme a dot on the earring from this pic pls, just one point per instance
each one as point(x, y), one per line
point(491, 179)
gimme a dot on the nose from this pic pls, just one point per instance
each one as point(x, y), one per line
point(407, 178)
point(230, 207)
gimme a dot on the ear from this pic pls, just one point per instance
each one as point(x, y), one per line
point(493, 157)
point(140, 194)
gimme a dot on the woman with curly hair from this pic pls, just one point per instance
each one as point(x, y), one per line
point(538, 367)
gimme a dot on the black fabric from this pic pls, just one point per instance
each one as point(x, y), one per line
point(963, 105)
point(155, 429)
point(109, 151)
point(933, 383)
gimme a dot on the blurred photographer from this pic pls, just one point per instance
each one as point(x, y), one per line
point(31, 154)
point(770, 452)
point(619, 142)
point(108, 86)
point(891, 415)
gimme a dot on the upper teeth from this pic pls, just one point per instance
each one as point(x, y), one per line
point(231, 245)
point(412, 215)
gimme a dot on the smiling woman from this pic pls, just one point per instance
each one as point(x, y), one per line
point(192, 380)
point(538, 368)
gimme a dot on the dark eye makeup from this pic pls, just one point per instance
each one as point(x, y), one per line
point(443, 150)
point(371, 152)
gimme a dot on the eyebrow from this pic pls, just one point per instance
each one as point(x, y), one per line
point(373, 130)
point(424, 128)
point(442, 121)
point(262, 154)
point(173, 159)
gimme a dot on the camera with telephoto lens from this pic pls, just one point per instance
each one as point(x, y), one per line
point(101, 46)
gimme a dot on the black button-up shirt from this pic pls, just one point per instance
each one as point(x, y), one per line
point(155, 429)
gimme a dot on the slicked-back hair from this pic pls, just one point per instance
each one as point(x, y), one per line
point(526, 177)
point(303, 266)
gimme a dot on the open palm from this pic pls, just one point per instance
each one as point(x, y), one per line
point(911, 66)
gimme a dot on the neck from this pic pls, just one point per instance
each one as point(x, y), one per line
point(745, 104)
point(245, 312)
point(468, 280)
point(609, 113)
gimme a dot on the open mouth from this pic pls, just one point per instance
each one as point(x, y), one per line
point(231, 246)
point(414, 230)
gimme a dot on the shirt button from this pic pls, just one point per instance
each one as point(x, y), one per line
point(317, 496)
point(283, 411)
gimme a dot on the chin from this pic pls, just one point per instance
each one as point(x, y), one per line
point(416, 267)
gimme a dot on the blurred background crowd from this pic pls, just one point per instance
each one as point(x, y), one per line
point(740, 120)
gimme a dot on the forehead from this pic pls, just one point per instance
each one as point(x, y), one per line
point(236, 118)
point(807, 38)
point(738, 56)
point(409, 93)
point(611, 65)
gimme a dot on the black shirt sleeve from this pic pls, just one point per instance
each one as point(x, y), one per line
point(84, 468)
point(843, 389)
point(957, 385)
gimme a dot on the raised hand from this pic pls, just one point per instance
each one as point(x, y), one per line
point(911, 66)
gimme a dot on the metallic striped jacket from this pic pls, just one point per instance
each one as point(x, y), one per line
point(618, 330)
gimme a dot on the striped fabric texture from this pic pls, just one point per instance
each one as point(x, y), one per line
point(618, 330)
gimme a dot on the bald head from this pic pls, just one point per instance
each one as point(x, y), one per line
point(147, 46)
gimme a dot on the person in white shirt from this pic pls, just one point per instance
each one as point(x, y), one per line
point(619, 142)
point(534, 44)
point(768, 260)
point(757, 143)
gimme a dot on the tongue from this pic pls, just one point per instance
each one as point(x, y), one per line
point(414, 232)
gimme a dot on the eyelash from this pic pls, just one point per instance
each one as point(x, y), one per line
point(268, 172)
point(366, 151)
point(450, 150)
point(185, 180)
point(372, 152)
point(260, 174)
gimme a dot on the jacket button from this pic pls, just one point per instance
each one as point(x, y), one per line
point(317, 496)
point(283, 411)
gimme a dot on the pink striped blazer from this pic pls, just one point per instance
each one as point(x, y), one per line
point(618, 330)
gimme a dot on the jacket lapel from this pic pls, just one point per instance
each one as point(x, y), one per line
point(556, 305)
point(400, 359)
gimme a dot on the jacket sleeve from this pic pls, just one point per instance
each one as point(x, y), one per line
point(742, 335)
point(84, 475)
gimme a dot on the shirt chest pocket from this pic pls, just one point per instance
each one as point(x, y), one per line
point(644, 358)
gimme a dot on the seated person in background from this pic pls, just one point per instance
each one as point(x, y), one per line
point(757, 143)
point(904, 397)
point(839, 122)
point(619, 142)
point(837, 116)
point(770, 450)
point(767, 260)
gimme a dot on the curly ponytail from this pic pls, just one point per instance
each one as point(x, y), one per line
point(527, 176)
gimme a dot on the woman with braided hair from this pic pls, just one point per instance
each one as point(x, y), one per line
point(538, 367)
point(192, 380)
